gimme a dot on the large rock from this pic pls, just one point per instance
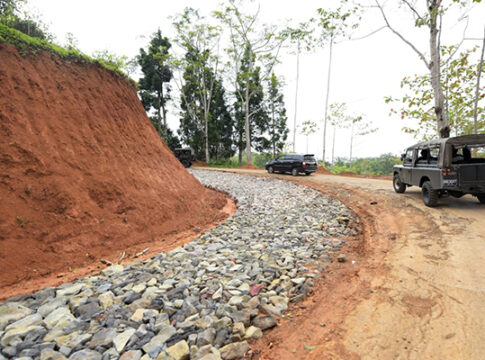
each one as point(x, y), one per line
point(179, 351)
point(234, 350)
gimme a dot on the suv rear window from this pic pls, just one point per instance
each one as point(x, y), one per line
point(309, 158)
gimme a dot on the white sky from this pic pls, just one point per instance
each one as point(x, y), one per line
point(364, 71)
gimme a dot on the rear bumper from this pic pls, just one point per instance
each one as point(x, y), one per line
point(307, 169)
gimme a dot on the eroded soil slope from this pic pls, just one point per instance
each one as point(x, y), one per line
point(83, 173)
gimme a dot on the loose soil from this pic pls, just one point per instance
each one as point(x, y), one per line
point(84, 175)
point(249, 167)
point(412, 286)
point(199, 163)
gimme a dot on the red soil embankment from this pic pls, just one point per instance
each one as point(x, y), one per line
point(249, 167)
point(83, 173)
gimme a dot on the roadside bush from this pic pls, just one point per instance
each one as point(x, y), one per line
point(381, 165)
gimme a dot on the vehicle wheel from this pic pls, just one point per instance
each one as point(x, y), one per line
point(430, 196)
point(294, 172)
point(186, 164)
point(308, 174)
point(399, 187)
point(481, 198)
point(270, 170)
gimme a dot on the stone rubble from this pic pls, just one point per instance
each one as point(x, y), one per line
point(201, 301)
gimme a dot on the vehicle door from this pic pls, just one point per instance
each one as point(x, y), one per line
point(278, 164)
point(408, 166)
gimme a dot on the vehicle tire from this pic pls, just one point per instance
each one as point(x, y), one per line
point(270, 169)
point(308, 173)
point(481, 198)
point(430, 196)
point(186, 163)
point(294, 172)
point(398, 186)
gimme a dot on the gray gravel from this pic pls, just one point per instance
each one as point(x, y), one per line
point(202, 301)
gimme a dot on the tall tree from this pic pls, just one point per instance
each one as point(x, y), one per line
point(429, 14)
point(255, 126)
point(300, 37)
point(154, 86)
point(334, 26)
point(278, 129)
point(458, 81)
point(201, 40)
point(193, 126)
point(261, 45)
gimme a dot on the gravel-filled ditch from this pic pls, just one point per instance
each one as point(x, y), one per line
point(202, 301)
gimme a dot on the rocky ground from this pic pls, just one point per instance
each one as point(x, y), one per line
point(202, 301)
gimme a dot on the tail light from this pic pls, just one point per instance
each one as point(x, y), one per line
point(304, 163)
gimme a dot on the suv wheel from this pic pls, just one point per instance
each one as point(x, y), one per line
point(294, 172)
point(399, 186)
point(430, 196)
point(270, 169)
point(481, 198)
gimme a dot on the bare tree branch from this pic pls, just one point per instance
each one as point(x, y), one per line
point(420, 54)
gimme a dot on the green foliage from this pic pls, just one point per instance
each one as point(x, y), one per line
point(27, 45)
point(258, 160)
point(277, 128)
point(381, 165)
point(154, 88)
point(250, 90)
point(458, 81)
point(172, 140)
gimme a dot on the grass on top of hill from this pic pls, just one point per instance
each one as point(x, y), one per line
point(27, 45)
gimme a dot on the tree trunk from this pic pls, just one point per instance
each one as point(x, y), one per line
point(246, 122)
point(333, 144)
point(477, 93)
point(164, 113)
point(206, 136)
point(296, 94)
point(326, 100)
point(435, 69)
point(273, 135)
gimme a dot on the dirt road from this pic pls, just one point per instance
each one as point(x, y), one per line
point(413, 287)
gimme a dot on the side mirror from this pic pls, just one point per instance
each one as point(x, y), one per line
point(403, 156)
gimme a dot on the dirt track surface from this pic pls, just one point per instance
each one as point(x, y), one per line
point(414, 288)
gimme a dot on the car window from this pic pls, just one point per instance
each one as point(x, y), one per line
point(309, 158)
point(409, 157)
point(434, 154)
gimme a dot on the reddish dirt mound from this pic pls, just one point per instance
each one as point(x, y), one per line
point(199, 163)
point(323, 171)
point(249, 167)
point(83, 174)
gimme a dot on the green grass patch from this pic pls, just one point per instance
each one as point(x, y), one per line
point(29, 46)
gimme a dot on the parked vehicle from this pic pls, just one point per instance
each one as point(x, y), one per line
point(185, 156)
point(453, 166)
point(293, 163)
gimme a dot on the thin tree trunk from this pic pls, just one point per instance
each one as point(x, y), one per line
point(435, 68)
point(273, 135)
point(326, 100)
point(296, 94)
point(246, 123)
point(164, 113)
point(333, 144)
point(477, 93)
point(206, 135)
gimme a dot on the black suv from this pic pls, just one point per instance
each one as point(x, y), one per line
point(294, 163)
